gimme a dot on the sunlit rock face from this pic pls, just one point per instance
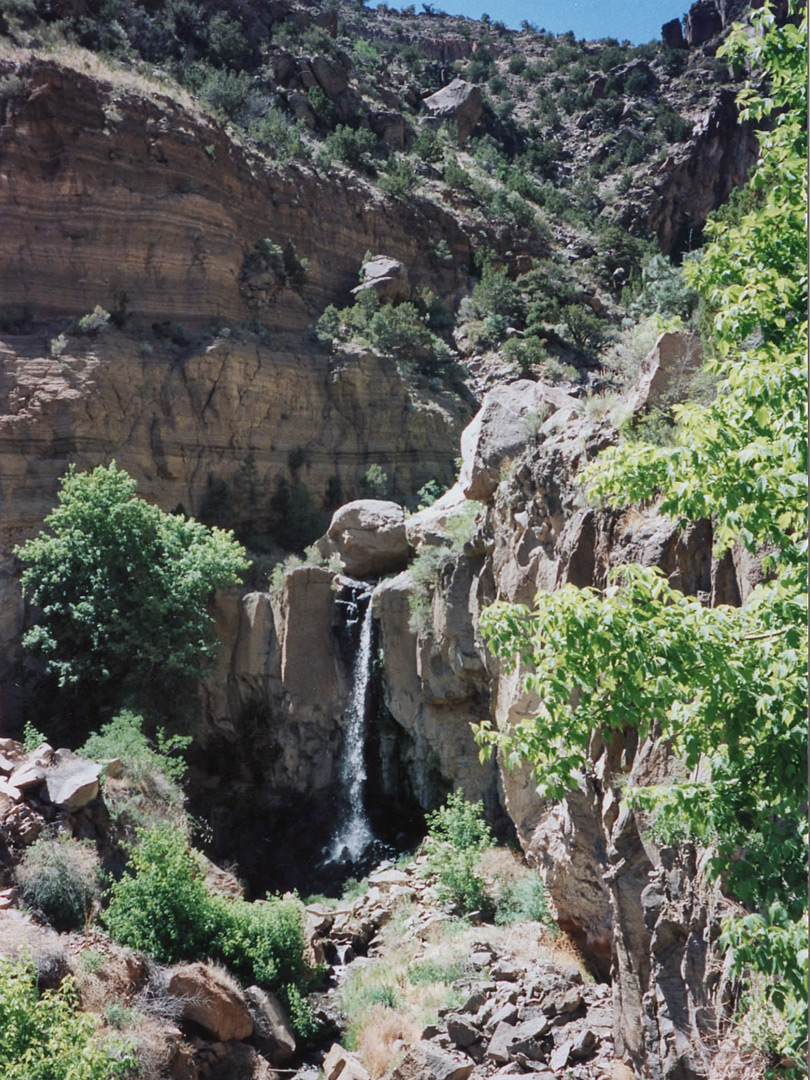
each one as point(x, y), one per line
point(109, 191)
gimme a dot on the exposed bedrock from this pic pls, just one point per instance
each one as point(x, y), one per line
point(696, 178)
point(91, 167)
point(235, 432)
point(643, 916)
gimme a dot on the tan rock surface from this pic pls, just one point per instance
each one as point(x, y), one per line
point(92, 168)
point(369, 537)
point(666, 370)
point(211, 1001)
point(230, 417)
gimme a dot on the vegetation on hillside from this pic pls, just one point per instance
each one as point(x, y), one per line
point(43, 1036)
point(726, 687)
point(558, 290)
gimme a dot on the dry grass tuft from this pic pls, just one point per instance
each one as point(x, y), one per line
point(88, 63)
point(385, 1037)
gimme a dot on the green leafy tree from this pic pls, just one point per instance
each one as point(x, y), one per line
point(725, 686)
point(122, 590)
point(45, 1037)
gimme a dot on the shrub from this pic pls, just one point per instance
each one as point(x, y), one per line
point(524, 900)
point(511, 207)
point(281, 569)
point(287, 265)
point(303, 1019)
point(123, 738)
point(640, 80)
point(585, 329)
point(58, 345)
point(497, 84)
point(95, 322)
point(226, 92)
point(262, 942)
point(354, 146)
point(400, 332)
point(429, 493)
point(376, 482)
point(480, 68)
point(152, 772)
point(277, 135)
point(161, 906)
point(428, 146)
point(321, 105)
point(122, 590)
point(296, 269)
point(60, 878)
point(455, 177)
point(497, 294)
point(671, 124)
point(664, 291)
point(526, 352)
point(457, 834)
point(400, 179)
point(45, 1037)
point(31, 737)
point(227, 43)
point(517, 63)
point(426, 572)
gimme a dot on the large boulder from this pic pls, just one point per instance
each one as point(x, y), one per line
point(459, 101)
point(331, 78)
point(429, 526)
point(388, 278)
point(666, 370)
point(508, 418)
point(71, 781)
point(672, 34)
point(369, 537)
point(703, 21)
point(426, 1061)
point(211, 1000)
point(339, 1064)
point(274, 1034)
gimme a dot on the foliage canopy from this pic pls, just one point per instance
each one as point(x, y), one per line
point(44, 1037)
point(122, 590)
point(726, 686)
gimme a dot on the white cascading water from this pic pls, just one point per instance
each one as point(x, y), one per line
point(354, 835)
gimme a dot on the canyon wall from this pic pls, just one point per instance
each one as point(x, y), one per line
point(255, 437)
point(92, 167)
point(643, 915)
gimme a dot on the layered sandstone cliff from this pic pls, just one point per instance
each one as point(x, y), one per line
point(246, 434)
point(112, 188)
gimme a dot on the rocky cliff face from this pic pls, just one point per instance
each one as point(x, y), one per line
point(114, 193)
point(93, 166)
point(641, 914)
point(257, 437)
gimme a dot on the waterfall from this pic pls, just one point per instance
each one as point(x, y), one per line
point(353, 835)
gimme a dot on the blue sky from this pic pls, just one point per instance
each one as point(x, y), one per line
point(622, 19)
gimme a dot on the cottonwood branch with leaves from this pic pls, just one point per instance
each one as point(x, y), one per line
point(726, 686)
